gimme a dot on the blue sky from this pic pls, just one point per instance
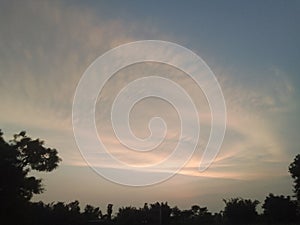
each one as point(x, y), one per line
point(251, 46)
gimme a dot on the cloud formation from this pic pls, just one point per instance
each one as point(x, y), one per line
point(45, 48)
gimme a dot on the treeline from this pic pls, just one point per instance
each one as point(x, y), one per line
point(23, 154)
point(276, 209)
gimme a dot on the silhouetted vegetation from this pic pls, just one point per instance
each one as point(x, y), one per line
point(280, 209)
point(238, 210)
point(22, 154)
point(294, 169)
point(18, 157)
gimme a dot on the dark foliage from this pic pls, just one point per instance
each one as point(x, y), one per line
point(18, 157)
point(240, 211)
point(21, 155)
point(280, 209)
point(294, 169)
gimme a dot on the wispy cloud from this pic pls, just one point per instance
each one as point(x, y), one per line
point(45, 48)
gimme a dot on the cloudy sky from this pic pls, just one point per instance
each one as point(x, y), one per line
point(251, 46)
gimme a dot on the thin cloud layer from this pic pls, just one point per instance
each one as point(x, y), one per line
point(45, 48)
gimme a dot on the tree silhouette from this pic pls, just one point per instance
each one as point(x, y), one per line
point(22, 154)
point(294, 169)
point(91, 213)
point(240, 211)
point(279, 208)
point(159, 213)
point(145, 213)
point(129, 215)
point(18, 157)
point(195, 210)
point(109, 211)
point(201, 215)
point(176, 215)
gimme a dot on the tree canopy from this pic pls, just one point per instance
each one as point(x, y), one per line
point(18, 157)
point(239, 211)
point(294, 169)
point(279, 208)
point(22, 154)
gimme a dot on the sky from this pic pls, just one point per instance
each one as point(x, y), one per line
point(252, 47)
